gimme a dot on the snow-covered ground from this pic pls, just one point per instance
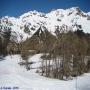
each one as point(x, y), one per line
point(15, 76)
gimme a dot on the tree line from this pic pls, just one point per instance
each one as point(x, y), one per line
point(5, 33)
point(67, 55)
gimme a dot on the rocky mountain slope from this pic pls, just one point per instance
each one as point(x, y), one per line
point(27, 24)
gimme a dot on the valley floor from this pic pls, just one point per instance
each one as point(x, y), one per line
point(15, 76)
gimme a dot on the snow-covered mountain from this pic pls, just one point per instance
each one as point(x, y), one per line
point(88, 13)
point(27, 24)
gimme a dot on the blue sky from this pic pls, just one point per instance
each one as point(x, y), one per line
point(18, 7)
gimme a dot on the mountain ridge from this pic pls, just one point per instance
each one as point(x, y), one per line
point(27, 24)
